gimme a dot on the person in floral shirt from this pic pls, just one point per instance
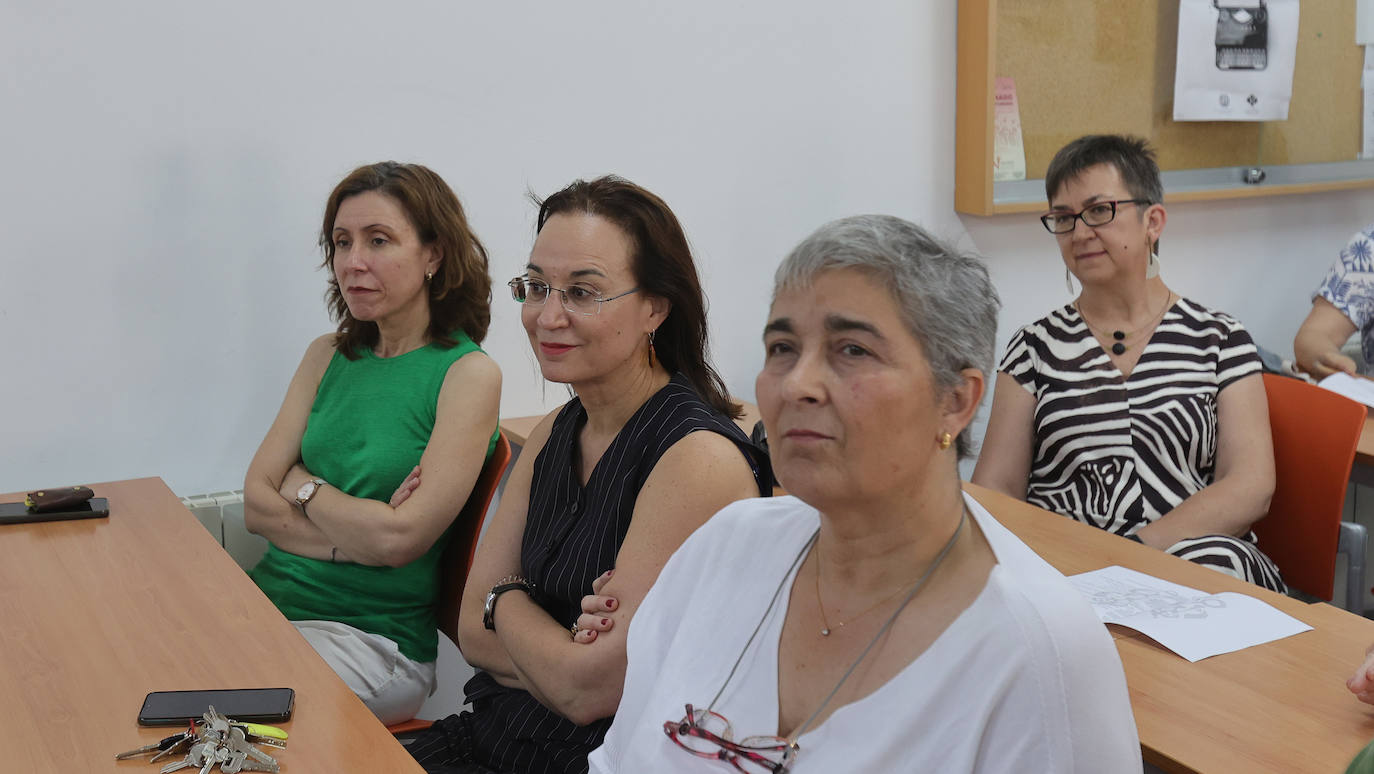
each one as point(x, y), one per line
point(1343, 304)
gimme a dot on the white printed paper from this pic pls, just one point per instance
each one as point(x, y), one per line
point(1191, 623)
point(1235, 61)
point(1356, 388)
point(1364, 22)
point(1008, 154)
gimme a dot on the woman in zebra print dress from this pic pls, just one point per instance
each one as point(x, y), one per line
point(1133, 409)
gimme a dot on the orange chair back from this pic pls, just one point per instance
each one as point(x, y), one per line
point(462, 546)
point(1315, 434)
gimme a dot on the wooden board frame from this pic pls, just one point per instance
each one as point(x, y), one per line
point(1315, 150)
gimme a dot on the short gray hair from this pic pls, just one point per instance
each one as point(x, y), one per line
point(945, 296)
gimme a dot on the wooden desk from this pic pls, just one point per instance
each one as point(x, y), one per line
point(1364, 451)
point(97, 613)
point(518, 429)
point(1279, 707)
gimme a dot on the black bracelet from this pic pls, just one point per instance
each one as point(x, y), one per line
point(509, 583)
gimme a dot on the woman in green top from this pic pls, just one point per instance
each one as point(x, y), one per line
point(383, 431)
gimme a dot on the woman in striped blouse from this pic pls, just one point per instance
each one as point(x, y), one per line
point(1132, 408)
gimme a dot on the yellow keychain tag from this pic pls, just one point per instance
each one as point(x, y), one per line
point(267, 732)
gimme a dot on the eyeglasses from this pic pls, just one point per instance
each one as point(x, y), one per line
point(707, 734)
point(1097, 214)
point(576, 299)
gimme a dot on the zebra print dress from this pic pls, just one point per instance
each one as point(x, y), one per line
point(1120, 453)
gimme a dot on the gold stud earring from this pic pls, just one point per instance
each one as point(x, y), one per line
point(945, 440)
point(429, 275)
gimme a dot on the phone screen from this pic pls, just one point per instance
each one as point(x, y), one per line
point(258, 705)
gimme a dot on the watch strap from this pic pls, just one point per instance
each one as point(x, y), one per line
point(502, 586)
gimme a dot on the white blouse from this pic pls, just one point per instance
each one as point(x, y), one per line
point(1025, 679)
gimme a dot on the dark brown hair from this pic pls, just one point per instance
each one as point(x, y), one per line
point(459, 294)
point(661, 262)
point(1131, 157)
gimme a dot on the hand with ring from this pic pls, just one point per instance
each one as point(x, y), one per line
point(594, 620)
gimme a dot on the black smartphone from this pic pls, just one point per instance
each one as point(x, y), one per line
point(19, 513)
point(254, 705)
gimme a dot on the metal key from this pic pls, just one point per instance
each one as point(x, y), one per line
point(252, 758)
point(218, 755)
point(179, 747)
point(196, 757)
point(252, 765)
point(158, 746)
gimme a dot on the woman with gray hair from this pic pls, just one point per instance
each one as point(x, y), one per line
point(877, 619)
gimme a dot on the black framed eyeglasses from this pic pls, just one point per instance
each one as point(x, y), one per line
point(1095, 214)
point(576, 299)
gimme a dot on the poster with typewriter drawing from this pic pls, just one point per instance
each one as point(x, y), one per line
point(1235, 60)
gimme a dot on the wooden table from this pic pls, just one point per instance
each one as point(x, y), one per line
point(94, 614)
point(1364, 451)
point(518, 429)
point(1279, 707)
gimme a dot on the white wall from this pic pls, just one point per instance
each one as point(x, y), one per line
point(166, 166)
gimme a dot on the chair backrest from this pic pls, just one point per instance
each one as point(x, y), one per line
point(1315, 434)
point(462, 546)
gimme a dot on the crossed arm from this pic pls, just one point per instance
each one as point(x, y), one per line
point(346, 528)
point(1237, 497)
point(696, 477)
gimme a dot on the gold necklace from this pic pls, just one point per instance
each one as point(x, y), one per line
point(1119, 348)
point(820, 605)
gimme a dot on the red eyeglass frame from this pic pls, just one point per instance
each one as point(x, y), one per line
point(730, 751)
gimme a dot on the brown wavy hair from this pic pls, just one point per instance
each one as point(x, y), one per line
point(459, 294)
point(661, 262)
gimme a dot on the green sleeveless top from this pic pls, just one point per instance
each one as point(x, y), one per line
point(370, 422)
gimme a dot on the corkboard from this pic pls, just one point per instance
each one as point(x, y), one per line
point(1088, 67)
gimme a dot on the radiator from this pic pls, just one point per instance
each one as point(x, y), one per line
point(222, 514)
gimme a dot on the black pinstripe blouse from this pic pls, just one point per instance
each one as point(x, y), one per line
point(572, 535)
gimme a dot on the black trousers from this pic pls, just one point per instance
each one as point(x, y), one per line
point(446, 748)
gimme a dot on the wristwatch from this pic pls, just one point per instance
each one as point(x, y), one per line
point(308, 491)
point(508, 583)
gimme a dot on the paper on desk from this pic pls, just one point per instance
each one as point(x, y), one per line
point(1364, 22)
point(1355, 388)
point(1191, 623)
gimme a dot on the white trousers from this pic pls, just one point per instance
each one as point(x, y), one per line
point(391, 685)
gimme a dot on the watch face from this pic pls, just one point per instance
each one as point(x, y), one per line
point(306, 491)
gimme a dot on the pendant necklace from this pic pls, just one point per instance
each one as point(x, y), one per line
point(793, 747)
point(1119, 348)
point(825, 624)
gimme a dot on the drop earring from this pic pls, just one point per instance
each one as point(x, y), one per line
point(1068, 280)
point(1152, 268)
point(651, 349)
